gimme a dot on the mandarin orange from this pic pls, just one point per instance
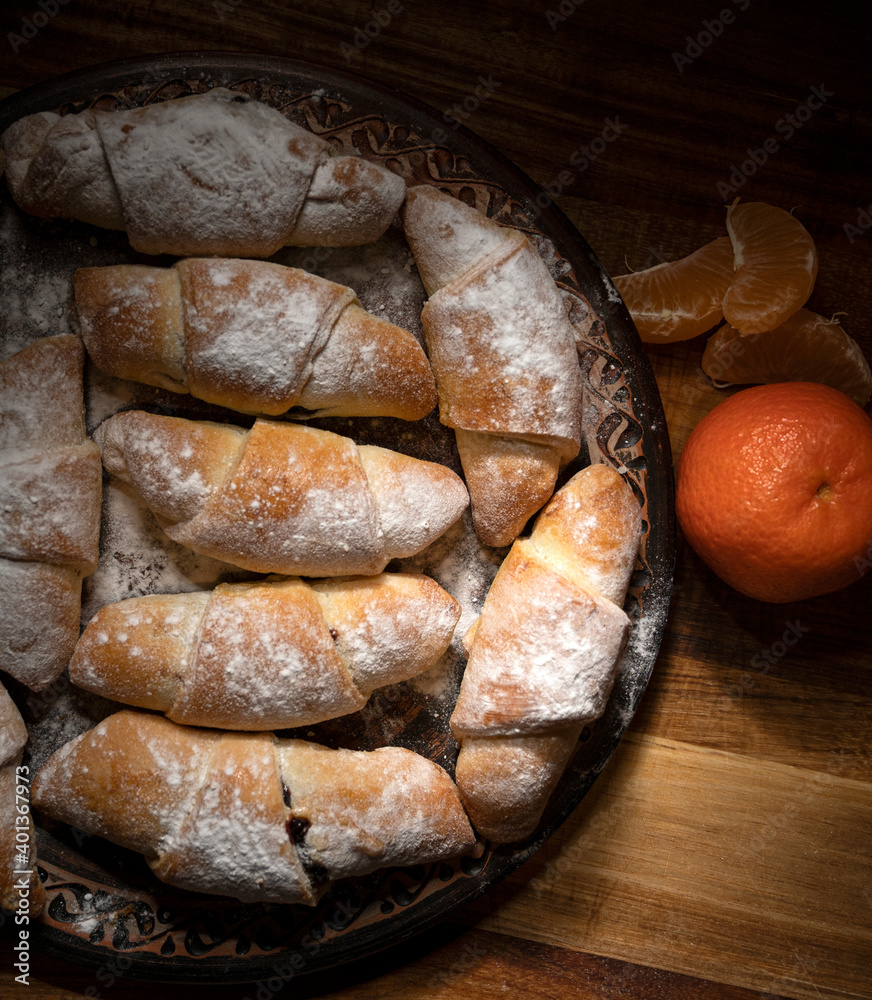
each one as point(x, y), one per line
point(682, 298)
point(774, 490)
point(775, 267)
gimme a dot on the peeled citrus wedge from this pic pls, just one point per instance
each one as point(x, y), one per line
point(806, 348)
point(681, 298)
point(775, 267)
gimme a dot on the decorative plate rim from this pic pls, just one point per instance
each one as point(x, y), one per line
point(91, 82)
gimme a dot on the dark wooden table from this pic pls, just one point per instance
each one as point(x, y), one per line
point(726, 850)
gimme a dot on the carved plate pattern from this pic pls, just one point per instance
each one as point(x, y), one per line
point(104, 907)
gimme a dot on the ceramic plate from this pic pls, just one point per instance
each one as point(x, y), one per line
point(103, 903)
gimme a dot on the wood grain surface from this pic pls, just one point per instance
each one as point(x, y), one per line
point(726, 850)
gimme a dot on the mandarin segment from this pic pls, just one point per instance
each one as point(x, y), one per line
point(774, 491)
point(807, 347)
point(679, 299)
point(775, 267)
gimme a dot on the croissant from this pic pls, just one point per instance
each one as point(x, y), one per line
point(20, 887)
point(504, 356)
point(252, 336)
point(249, 815)
point(50, 493)
point(544, 654)
point(266, 655)
point(214, 173)
point(281, 498)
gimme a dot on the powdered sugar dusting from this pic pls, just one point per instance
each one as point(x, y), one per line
point(502, 334)
point(252, 330)
point(138, 558)
point(193, 161)
point(33, 299)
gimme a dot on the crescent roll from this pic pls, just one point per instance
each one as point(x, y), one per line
point(50, 495)
point(281, 497)
point(217, 173)
point(274, 654)
point(252, 336)
point(544, 654)
point(249, 815)
point(504, 356)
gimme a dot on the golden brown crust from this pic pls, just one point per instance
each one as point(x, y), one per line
point(39, 620)
point(140, 650)
point(504, 356)
point(252, 330)
point(265, 659)
point(49, 509)
point(249, 815)
point(369, 368)
point(50, 493)
point(130, 779)
point(252, 336)
point(507, 780)
point(215, 173)
point(41, 398)
point(366, 810)
point(544, 653)
point(592, 531)
point(130, 319)
point(388, 628)
point(282, 498)
point(233, 840)
point(266, 655)
point(526, 472)
point(503, 352)
point(351, 201)
point(286, 482)
point(175, 464)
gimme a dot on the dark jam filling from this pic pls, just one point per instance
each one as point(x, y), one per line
point(334, 635)
point(286, 795)
point(298, 827)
